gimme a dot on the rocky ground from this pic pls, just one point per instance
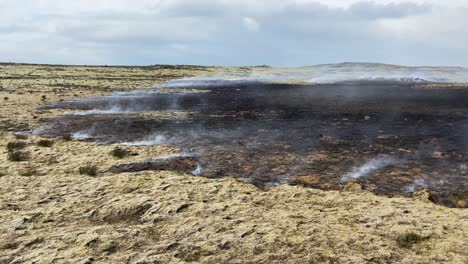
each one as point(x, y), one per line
point(50, 212)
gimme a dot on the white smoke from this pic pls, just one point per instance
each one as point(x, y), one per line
point(82, 135)
point(329, 73)
point(154, 140)
point(135, 93)
point(172, 156)
point(417, 184)
point(222, 80)
point(85, 134)
point(24, 133)
point(280, 180)
point(368, 168)
point(37, 131)
point(198, 171)
point(115, 110)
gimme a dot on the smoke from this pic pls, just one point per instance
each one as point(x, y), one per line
point(153, 140)
point(173, 156)
point(24, 133)
point(329, 73)
point(417, 184)
point(85, 134)
point(369, 167)
point(222, 80)
point(38, 130)
point(265, 132)
point(280, 180)
point(114, 110)
point(198, 171)
point(82, 135)
point(135, 93)
point(149, 101)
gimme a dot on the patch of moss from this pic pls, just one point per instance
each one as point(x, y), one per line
point(16, 145)
point(21, 136)
point(18, 156)
point(408, 240)
point(46, 143)
point(120, 153)
point(67, 138)
point(88, 170)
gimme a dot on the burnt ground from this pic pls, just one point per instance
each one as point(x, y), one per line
point(271, 134)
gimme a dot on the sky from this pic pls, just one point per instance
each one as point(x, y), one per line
point(282, 33)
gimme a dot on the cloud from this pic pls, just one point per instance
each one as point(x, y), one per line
point(251, 24)
point(373, 10)
point(287, 32)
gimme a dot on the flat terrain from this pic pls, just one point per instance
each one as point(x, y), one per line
point(52, 213)
point(410, 137)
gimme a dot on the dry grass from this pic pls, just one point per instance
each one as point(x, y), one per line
point(120, 153)
point(67, 138)
point(28, 171)
point(16, 145)
point(408, 240)
point(46, 143)
point(18, 156)
point(90, 170)
point(21, 136)
point(143, 217)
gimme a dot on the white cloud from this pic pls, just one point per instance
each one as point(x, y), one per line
point(288, 32)
point(251, 24)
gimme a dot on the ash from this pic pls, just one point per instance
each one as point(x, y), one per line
point(385, 134)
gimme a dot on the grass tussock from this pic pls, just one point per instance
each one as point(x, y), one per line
point(18, 156)
point(16, 145)
point(67, 138)
point(53, 160)
point(21, 136)
point(46, 143)
point(408, 240)
point(120, 153)
point(90, 170)
point(28, 172)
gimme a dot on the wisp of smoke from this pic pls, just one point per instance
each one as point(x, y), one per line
point(154, 140)
point(368, 168)
point(115, 110)
point(198, 171)
point(212, 81)
point(136, 93)
point(82, 135)
point(172, 156)
point(417, 184)
point(85, 134)
point(37, 131)
point(331, 73)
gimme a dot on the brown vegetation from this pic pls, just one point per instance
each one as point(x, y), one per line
point(167, 217)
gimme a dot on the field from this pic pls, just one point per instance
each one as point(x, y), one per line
point(59, 203)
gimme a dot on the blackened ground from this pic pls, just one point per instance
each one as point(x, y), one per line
point(312, 135)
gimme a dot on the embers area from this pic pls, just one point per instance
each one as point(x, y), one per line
point(393, 138)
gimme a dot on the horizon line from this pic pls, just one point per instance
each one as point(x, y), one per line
point(233, 66)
